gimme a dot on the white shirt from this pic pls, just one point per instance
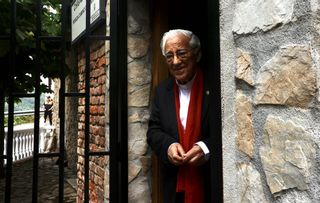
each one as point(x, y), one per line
point(184, 99)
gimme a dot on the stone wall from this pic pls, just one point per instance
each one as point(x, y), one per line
point(139, 83)
point(71, 112)
point(270, 73)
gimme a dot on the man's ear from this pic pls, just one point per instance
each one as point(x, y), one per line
point(199, 55)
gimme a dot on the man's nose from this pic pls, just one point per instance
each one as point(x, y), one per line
point(176, 59)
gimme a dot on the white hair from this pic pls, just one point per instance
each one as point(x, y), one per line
point(194, 42)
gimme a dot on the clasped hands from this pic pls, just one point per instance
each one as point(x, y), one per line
point(178, 156)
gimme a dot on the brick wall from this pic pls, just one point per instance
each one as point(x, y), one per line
point(97, 121)
point(139, 83)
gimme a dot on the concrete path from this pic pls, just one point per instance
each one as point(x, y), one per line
point(48, 183)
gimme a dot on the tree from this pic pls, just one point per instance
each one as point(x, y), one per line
point(25, 51)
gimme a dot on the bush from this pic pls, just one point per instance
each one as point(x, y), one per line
point(20, 120)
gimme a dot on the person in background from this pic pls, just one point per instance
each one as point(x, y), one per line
point(178, 129)
point(48, 108)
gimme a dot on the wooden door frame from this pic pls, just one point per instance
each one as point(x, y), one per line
point(159, 73)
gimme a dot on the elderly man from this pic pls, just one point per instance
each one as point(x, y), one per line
point(179, 126)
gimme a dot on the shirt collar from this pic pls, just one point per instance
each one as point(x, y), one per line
point(186, 86)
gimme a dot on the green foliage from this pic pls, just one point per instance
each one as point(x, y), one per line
point(18, 120)
point(25, 104)
point(26, 21)
point(25, 51)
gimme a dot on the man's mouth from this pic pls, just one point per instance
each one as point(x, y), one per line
point(179, 71)
point(178, 68)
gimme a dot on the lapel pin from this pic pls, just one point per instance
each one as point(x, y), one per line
point(207, 92)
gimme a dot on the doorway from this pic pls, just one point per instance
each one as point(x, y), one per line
point(202, 18)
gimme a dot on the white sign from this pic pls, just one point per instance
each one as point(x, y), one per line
point(78, 16)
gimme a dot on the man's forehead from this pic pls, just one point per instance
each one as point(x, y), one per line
point(177, 41)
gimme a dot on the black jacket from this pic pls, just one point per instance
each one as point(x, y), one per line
point(163, 131)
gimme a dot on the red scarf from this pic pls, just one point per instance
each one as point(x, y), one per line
point(190, 178)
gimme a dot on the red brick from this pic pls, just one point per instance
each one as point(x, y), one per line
point(81, 134)
point(101, 51)
point(94, 55)
point(99, 171)
point(93, 109)
point(101, 61)
point(80, 143)
point(102, 79)
point(102, 141)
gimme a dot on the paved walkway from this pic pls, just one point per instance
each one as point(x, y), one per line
point(48, 183)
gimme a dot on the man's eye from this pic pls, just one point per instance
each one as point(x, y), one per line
point(169, 56)
point(182, 54)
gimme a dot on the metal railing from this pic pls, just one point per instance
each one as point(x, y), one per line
point(23, 113)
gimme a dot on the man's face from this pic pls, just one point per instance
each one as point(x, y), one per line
point(181, 60)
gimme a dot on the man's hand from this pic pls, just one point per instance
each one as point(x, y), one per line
point(176, 154)
point(194, 156)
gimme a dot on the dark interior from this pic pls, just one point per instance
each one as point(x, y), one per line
point(190, 16)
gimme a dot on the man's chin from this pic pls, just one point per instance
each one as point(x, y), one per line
point(181, 81)
point(181, 77)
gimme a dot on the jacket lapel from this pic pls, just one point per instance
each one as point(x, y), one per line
point(205, 104)
point(171, 107)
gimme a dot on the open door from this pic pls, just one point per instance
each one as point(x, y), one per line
point(166, 15)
